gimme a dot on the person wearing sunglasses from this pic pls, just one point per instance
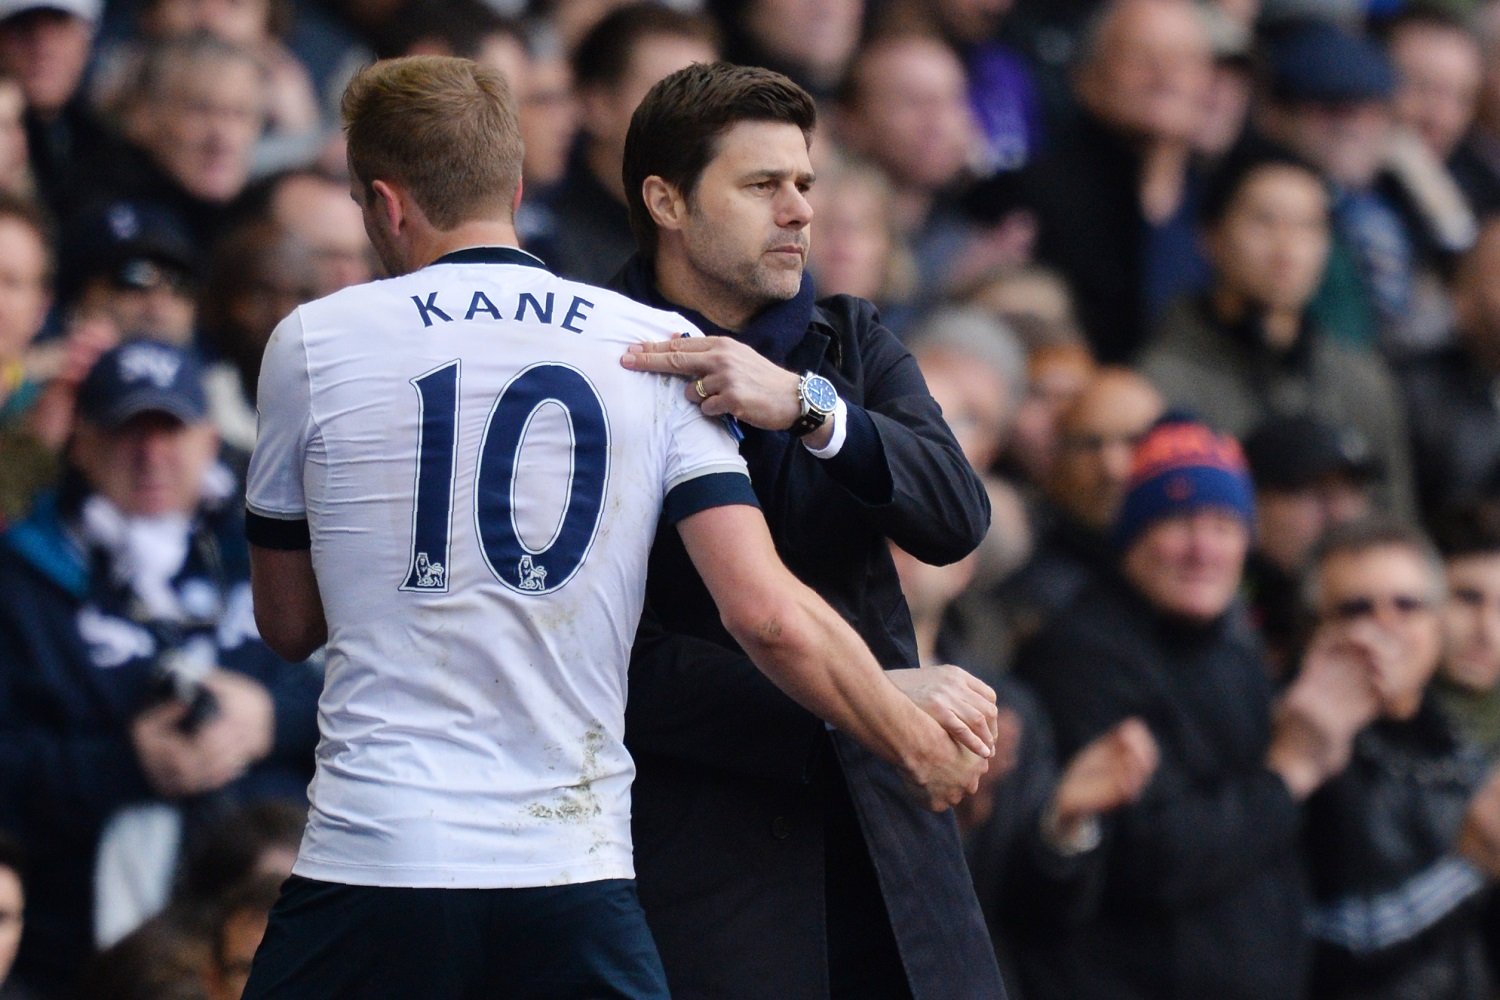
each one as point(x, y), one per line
point(1401, 846)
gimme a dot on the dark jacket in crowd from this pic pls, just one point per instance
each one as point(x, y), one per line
point(68, 153)
point(766, 845)
point(1011, 861)
point(1091, 228)
point(1455, 426)
point(589, 238)
point(1396, 913)
point(1203, 893)
point(1227, 375)
point(77, 664)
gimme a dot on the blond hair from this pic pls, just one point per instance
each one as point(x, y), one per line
point(446, 129)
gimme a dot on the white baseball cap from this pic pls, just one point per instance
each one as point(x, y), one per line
point(89, 10)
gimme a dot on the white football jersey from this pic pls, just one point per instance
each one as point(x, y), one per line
point(480, 482)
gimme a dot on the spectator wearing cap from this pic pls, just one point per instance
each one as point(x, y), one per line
point(1114, 197)
point(1396, 216)
point(134, 264)
point(139, 699)
point(1202, 890)
point(1402, 844)
point(44, 45)
point(1453, 392)
point(1251, 347)
point(1309, 477)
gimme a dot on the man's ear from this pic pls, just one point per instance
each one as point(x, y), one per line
point(515, 201)
point(668, 208)
point(389, 203)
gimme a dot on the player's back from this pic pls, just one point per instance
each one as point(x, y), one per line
point(482, 483)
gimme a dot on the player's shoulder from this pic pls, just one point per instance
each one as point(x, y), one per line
point(646, 322)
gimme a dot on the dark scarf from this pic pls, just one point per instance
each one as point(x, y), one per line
point(774, 332)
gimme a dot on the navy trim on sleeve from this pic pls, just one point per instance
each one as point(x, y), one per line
point(717, 489)
point(860, 466)
point(274, 533)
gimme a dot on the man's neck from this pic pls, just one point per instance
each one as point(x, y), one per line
point(682, 285)
point(478, 233)
point(1279, 327)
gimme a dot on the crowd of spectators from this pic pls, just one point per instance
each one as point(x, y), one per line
point(1208, 290)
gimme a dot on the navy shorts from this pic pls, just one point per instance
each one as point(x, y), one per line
point(327, 941)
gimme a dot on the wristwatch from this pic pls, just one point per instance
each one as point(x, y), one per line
point(818, 399)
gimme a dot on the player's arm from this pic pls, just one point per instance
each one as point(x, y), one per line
point(813, 655)
point(288, 607)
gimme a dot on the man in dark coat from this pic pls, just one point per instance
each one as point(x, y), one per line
point(1201, 891)
point(776, 858)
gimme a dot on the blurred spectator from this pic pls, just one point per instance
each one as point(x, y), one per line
point(317, 210)
point(1476, 162)
point(620, 59)
point(1097, 434)
point(859, 250)
point(15, 158)
point(904, 107)
point(1035, 298)
point(195, 111)
point(1231, 85)
point(139, 698)
point(1468, 681)
point(1450, 393)
point(244, 844)
point(160, 960)
point(12, 912)
point(1033, 827)
point(1202, 890)
point(26, 461)
point(1309, 477)
point(45, 47)
point(1250, 348)
point(258, 275)
point(976, 371)
point(1002, 93)
point(1395, 898)
point(238, 932)
point(1439, 68)
point(1056, 372)
point(293, 119)
point(1115, 196)
point(1331, 102)
point(549, 120)
point(134, 265)
point(811, 41)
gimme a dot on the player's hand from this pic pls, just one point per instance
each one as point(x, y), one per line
point(960, 702)
point(1109, 772)
point(939, 770)
point(733, 378)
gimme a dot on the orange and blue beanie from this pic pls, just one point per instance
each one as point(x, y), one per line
point(1179, 467)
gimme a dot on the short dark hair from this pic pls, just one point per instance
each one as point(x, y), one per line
point(603, 54)
point(674, 133)
point(1468, 528)
point(1237, 170)
point(1367, 534)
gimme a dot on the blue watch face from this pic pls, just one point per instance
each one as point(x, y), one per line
point(820, 394)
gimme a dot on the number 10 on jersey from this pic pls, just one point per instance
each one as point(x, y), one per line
point(521, 568)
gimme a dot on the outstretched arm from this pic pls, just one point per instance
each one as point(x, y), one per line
point(813, 655)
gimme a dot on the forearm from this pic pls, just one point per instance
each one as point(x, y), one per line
point(820, 662)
